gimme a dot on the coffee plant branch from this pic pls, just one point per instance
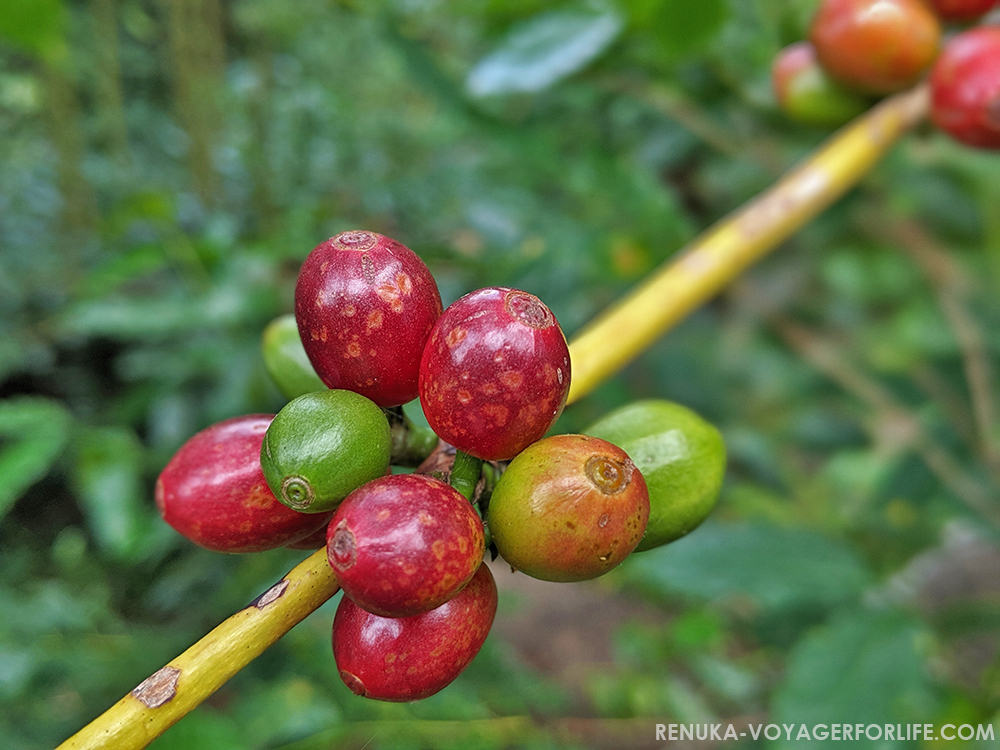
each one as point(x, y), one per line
point(606, 345)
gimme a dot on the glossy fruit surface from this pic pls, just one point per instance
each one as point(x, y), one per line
point(963, 10)
point(568, 508)
point(878, 46)
point(681, 456)
point(322, 446)
point(409, 658)
point(806, 93)
point(286, 360)
point(404, 544)
point(213, 492)
point(365, 305)
point(495, 373)
point(965, 87)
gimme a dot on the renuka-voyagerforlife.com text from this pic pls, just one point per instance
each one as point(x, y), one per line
point(850, 732)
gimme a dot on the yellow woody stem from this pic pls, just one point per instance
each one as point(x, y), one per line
point(606, 345)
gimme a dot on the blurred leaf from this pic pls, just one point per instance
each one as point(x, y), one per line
point(32, 25)
point(33, 432)
point(860, 668)
point(203, 729)
point(545, 50)
point(777, 569)
point(108, 478)
point(680, 26)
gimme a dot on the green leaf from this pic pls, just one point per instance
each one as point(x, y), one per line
point(32, 25)
point(108, 479)
point(776, 568)
point(680, 26)
point(544, 50)
point(33, 432)
point(863, 668)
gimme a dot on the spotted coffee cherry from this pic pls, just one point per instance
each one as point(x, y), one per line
point(965, 87)
point(365, 305)
point(213, 492)
point(495, 373)
point(404, 544)
point(877, 46)
point(568, 508)
point(408, 658)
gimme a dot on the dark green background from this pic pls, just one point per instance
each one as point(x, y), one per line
point(165, 165)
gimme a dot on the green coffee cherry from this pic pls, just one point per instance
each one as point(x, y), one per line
point(286, 360)
point(681, 456)
point(322, 446)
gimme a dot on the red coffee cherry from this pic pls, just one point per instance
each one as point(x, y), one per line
point(495, 373)
point(213, 492)
point(963, 10)
point(878, 46)
point(404, 544)
point(365, 305)
point(965, 87)
point(408, 658)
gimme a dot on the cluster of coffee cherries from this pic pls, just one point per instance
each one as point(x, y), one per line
point(492, 373)
point(859, 49)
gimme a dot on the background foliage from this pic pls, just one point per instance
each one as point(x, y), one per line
point(165, 165)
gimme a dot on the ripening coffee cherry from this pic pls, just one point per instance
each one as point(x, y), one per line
point(568, 508)
point(877, 46)
point(806, 93)
point(365, 305)
point(965, 87)
point(404, 544)
point(322, 446)
point(495, 373)
point(408, 658)
point(213, 492)
point(681, 456)
point(963, 10)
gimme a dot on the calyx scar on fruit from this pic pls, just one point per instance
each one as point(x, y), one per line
point(365, 305)
point(404, 544)
point(409, 658)
point(495, 373)
point(213, 492)
point(322, 446)
point(568, 508)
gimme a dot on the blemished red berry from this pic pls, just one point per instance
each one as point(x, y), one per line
point(806, 93)
point(408, 658)
point(568, 508)
point(213, 492)
point(404, 544)
point(965, 87)
point(877, 46)
point(495, 373)
point(963, 10)
point(365, 305)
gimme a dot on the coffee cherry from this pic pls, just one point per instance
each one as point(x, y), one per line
point(806, 93)
point(408, 658)
point(681, 457)
point(963, 10)
point(878, 46)
point(365, 305)
point(495, 373)
point(568, 508)
point(322, 446)
point(404, 544)
point(213, 492)
point(965, 87)
point(286, 360)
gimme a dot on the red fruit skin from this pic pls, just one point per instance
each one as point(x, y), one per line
point(213, 492)
point(495, 373)
point(963, 10)
point(365, 305)
point(409, 658)
point(965, 87)
point(404, 544)
point(878, 46)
